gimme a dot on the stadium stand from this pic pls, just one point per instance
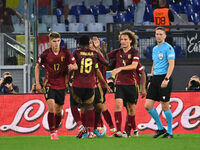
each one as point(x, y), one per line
point(72, 18)
point(95, 27)
point(49, 20)
point(59, 27)
point(19, 28)
point(85, 19)
point(42, 28)
point(76, 27)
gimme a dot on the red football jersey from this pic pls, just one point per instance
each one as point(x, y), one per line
point(102, 68)
point(56, 67)
point(138, 72)
point(125, 77)
point(87, 61)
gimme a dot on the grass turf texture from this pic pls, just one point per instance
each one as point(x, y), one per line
point(143, 142)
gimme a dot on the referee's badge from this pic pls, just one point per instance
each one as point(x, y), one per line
point(129, 56)
point(160, 55)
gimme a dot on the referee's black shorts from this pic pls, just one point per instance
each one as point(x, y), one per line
point(155, 92)
point(128, 93)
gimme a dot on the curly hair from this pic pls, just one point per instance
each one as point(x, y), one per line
point(132, 36)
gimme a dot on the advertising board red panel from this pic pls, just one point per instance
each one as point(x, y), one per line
point(26, 115)
point(43, 43)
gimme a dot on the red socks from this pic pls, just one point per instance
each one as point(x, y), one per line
point(57, 120)
point(118, 120)
point(76, 115)
point(51, 121)
point(108, 118)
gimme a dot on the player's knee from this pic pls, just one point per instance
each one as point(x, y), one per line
point(118, 107)
point(165, 107)
point(148, 104)
point(131, 112)
point(147, 107)
point(51, 109)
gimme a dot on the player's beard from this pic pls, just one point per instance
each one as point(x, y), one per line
point(160, 41)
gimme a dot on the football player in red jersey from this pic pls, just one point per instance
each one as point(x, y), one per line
point(57, 61)
point(139, 74)
point(127, 58)
point(100, 91)
point(82, 91)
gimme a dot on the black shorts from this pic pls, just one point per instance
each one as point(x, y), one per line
point(100, 94)
point(57, 95)
point(128, 93)
point(155, 92)
point(81, 96)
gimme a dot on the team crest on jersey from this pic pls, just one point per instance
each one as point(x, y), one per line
point(160, 55)
point(124, 62)
point(129, 56)
point(62, 58)
point(120, 56)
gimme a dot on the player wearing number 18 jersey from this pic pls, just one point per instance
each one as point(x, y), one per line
point(82, 92)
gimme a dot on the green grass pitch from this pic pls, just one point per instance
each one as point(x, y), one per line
point(142, 142)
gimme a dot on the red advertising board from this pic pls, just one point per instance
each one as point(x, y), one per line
point(43, 43)
point(26, 115)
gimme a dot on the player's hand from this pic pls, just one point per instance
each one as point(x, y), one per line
point(143, 93)
point(164, 84)
point(104, 46)
point(116, 71)
point(71, 67)
point(39, 88)
point(22, 21)
point(96, 41)
point(108, 88)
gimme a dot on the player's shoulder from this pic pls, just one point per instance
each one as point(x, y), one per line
point(64, 49)
point(155, 47)
point(133, 50)
point(168, 46)
point(78, 50)
point(86, 52)
point(115, 50)
point(46, 51)
point(135, 53)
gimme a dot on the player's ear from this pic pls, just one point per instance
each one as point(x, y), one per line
point(165, 36)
